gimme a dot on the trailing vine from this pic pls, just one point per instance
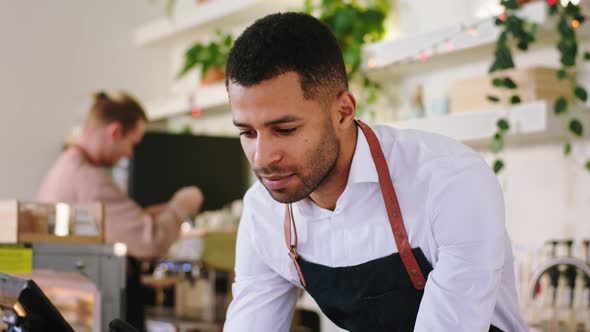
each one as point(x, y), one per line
point(515, 30)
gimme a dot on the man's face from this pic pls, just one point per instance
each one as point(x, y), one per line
point(121, 144)
point(289, 141)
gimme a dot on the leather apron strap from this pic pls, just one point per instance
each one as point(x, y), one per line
point(393, 213)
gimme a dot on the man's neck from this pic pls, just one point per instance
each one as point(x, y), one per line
point(87, 143)
point(327, 194)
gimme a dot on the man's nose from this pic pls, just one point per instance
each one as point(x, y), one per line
point(267, 152)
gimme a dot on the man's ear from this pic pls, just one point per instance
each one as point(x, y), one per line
point(114, 131)
point(345, 109)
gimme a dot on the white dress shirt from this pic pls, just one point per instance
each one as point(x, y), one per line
point(453, 209)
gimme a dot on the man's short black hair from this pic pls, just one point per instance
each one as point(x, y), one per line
point(289, 42)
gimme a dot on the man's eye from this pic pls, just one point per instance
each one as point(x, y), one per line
point(247, 133)
point(285, 130)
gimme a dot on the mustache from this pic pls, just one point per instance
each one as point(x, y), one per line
point(260, 171)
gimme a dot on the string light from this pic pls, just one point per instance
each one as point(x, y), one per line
point(449, 42)
point(450, 46)
point(575, 23)
point(444, 45)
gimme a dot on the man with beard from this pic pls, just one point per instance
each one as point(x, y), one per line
point(387, 229)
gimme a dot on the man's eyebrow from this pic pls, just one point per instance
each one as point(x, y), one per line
point(284, 119)
point(240, 124)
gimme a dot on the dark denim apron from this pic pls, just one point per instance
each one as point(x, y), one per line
point(380, 295)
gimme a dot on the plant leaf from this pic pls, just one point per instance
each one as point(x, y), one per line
point(581, 93)
point(553, 9)
point(499, 165)
point(503, 125)
point(498, 82)
point(502, 58)
point(560, 105)
point(493, 99)
point(497, 143)
point(576, 127)
point(562, 74)
point(515, 100)
point(586, 55)
point(588, 165)
point(509, 83)
point(510, 4)
point(567, 149)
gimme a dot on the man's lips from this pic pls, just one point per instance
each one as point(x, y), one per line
point(276, 182)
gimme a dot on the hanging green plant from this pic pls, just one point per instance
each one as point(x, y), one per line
point(515, 30)
point(211, 55)
point(354, 23)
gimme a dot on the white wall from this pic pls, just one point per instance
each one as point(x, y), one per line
point(53, 54)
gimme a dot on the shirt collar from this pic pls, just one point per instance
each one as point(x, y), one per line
point(362, 168)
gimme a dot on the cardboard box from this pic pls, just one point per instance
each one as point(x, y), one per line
point(30, 222)
point(534, 83)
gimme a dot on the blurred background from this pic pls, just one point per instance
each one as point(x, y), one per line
point(507, 78)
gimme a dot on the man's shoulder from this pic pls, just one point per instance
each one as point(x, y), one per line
point(68, 176)
point(426, 153)
point(421, 140)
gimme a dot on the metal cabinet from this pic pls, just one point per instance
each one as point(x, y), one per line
point(99, 262)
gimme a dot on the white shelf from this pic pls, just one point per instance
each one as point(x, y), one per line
point(204, 98)
point(402, 54)
point(213, 14)
point(530, 122)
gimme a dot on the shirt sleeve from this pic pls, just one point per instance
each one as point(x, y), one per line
point(468, 227)
point(144, 235)
point(262, 299)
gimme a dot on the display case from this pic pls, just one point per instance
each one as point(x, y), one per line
point(74, 295)
point(46, 300)
point(29, 222)
point(103, 264)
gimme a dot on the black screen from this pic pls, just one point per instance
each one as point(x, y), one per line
point(41, 315)
point(162, 163)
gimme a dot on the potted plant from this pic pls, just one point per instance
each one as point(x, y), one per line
point(212, 57)
point(354, 23)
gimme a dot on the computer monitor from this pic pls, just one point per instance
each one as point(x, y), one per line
point(162, 163)
point(28, 307)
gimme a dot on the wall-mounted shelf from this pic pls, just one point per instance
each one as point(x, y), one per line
point(204, 98)
point(458, 41)
point(531, 122)
point(211, 15)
